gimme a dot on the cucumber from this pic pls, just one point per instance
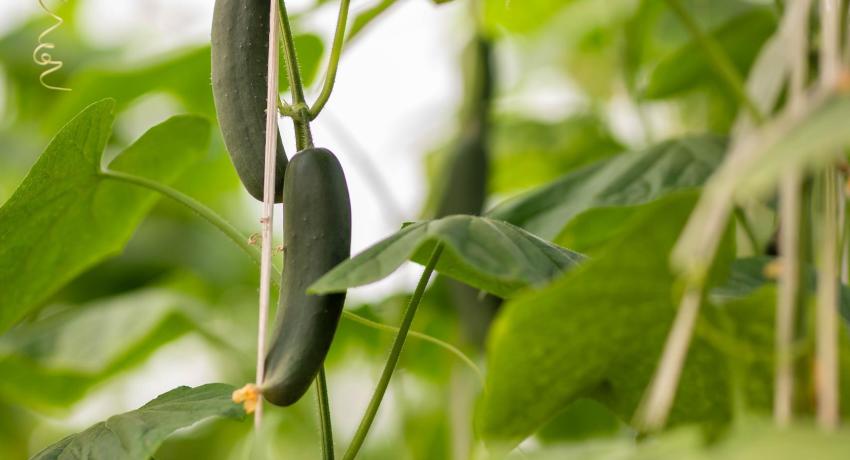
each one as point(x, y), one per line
point(464, 186)
point(317, 232)
point(240, 37)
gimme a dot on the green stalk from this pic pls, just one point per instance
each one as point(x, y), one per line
point(395, 353)
point(719, 60)
point(333, 62)
point(325, 416)
point(424, 337)
point(303, 135)
point(208, 214)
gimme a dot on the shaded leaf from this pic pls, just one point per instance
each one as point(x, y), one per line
point(597, 332)
point(68, 353)
point(487, 254)
point(136, 435)
point(65, 216)
point(627, 179)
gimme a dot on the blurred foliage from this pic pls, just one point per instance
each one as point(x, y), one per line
point(118, 273)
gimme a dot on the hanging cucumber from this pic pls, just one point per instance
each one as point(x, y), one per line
point(240, 32)
point(317, 232)
point(464, 186)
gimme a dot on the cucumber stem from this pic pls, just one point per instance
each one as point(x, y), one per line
point(392, 360)
point(324, 416)
point(303, 134)
point(333, 60)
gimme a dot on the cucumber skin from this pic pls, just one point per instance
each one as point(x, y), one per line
point(317, 232)
point(240, 47)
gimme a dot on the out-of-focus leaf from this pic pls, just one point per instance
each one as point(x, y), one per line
point(754, 439)
point(627, 179)
point(740, 38)
point(597, 332)
point(184, 75)
point(54, 361)
point(528, 153)
point(805, 140)
point(487, 254)
point(65, 216)
point(367, 16)
point(522, 16)
point(136, 435)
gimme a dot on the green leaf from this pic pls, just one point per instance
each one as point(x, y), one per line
point(136, 435)
point(367, 16)
point(528, 153)
point(598, 332)
point(65, 217)
point(487, 254)
point(69, 352)
point(740, 38)
point(627, 179)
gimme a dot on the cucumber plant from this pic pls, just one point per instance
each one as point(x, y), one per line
point(673, 326)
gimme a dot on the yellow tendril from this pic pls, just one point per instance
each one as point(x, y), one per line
point(41, 57)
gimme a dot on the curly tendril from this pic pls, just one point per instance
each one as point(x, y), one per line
point(43, 58)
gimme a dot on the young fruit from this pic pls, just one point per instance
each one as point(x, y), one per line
point(240, 32)
point(317, 232)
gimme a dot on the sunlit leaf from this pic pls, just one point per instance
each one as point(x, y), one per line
point(487, 254)
point(65, 217)
point(136, 435)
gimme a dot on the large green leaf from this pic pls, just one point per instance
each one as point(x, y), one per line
point(488, 254)
point(627, 179)
point(597, 332)
point(54, 361)
point(65, 216)
point(136, 435)
point(740, 39)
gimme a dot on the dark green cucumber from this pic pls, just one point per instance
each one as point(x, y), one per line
point(317, 233)
point(240, 47)
point(464, 188)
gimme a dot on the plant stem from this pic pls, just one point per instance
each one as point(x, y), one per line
point(826, 376)
point(424, 337)
point(392, 360)
point(333, 61)
point(826, 351)
point(655, 407)
point(748, 229)
point(324, 416)
point(721, 63)
point(267, 216)
point(194, 205)
point(303, 135)
point(789, 299)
